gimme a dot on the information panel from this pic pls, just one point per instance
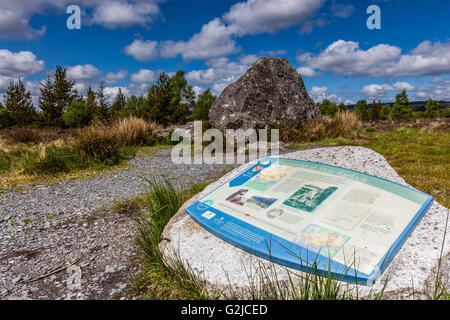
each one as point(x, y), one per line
point(310, 216)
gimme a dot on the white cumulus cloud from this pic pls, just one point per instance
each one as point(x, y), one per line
point(346, 58)
point(221, 72)
point(82, 72)
point(125, 14)
point(142, 50)
point(112, 77)
point(216, 38)
point(309, 72)
point(318, 94)
point(15, 16)
point(19, 64)
point(257, 16)
point(111, 92)
point(378, 91)
point(213, 40)
point(144, 76)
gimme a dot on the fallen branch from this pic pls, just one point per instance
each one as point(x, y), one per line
point(56, 269)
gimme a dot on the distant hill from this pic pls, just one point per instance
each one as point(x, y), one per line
point(415, 105)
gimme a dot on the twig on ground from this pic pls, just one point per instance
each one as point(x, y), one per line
point(56, 269)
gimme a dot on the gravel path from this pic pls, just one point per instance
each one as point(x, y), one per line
point(45, 228)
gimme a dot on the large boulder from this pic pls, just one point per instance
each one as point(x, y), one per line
point(411, 274)
point(269, 94)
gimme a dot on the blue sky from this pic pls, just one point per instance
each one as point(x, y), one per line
point(127, 43)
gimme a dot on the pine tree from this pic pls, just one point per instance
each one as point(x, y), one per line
point(56, 96)
point(342, 107)
point(328, 108)
point(102, 103)
point(181, 90)
point(5, 117)
point(203, 105)
point(385, 112)
point(63, 92)
point(91, 103)
point(135, 106)
point(76, 114)
point(361, 110)
point(432, 109)
point(18, 102)
point(47, 101)
point(168, 99)
point(158, 98)
point(117, 108)
point(401, 108)
point(374, 112)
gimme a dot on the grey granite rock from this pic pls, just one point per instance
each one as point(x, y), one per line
point(225, 266)
point(270, 93)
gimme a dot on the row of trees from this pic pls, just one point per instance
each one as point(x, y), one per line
point(377, 111)
point(169, 101)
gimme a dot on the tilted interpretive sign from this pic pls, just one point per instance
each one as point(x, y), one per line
point(314, 217)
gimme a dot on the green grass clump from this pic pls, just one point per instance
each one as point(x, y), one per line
point(162, 279)
point(9, 160)
point(52, 160)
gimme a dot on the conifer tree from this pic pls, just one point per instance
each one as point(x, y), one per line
point(432, 109)
point(91, 103)
point(47, 101)
point(102, 103)
point(117, 108)
point(56, 96)
point(63, 92)
point(385, 112)
point(327, 107)
point(203, 105)
point(135, 106)
point(18, 102)
point(5, 117)
point(342, 107)
point(168, 99)
point(361, 109)
point(401, 108)
point(374, 112)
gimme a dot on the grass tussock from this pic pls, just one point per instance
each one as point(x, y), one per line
point(343, 123)
point(162, 279)
point(102, 141)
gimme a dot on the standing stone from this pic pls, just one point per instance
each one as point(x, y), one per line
point(271, 93)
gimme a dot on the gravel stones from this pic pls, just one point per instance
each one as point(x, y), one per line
point(45, 226)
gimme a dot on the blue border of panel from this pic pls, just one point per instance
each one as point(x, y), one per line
point(273, 248)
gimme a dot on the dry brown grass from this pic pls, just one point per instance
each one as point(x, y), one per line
point(13, 136)
point(424, 124)
point(133, 130)
point(102, 140)
point(343, 123)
